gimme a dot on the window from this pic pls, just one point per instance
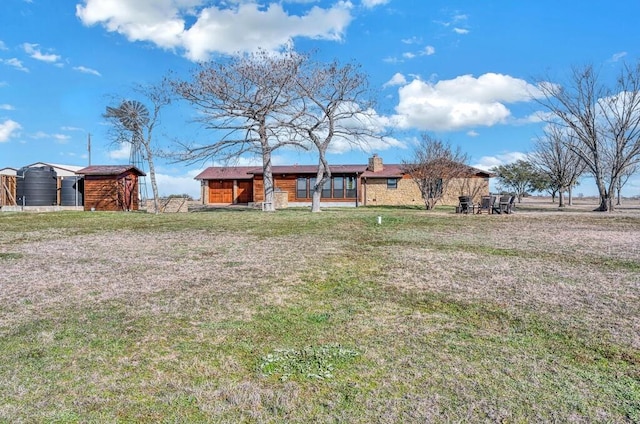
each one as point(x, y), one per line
point(326, 188)
point(301, 188)
point(350, 182)
point(392, 183)
point(333, 188)
point(338, 187)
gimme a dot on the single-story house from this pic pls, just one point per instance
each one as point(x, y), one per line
point(111, 187)
point(350, 185)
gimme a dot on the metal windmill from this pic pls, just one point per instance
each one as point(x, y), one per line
point(133, 116)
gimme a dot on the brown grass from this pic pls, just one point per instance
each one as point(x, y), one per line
point(530, 317)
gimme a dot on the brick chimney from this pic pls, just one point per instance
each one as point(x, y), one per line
point(375, 163)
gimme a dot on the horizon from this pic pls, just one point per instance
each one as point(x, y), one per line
point(465, 73)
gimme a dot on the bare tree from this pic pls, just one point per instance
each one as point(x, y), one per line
point(554, 156)
point(606, 123)
point(248, 100)
point(134, 123)
point(433, 166)
point(335, 105)
point(624, 178)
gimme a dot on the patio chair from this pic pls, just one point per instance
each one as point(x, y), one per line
point(466, 205)
point(486, 204)
point(506, 204)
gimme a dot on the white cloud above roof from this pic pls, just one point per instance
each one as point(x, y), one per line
point(228, 28)
point(35, 53)
point(7, 129)
point(373, 3)
point(487, 162)
point(15, 63)
point(396, 79)
point(462, 102)
point(86, 70)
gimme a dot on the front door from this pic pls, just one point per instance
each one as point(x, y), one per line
point(245, 192)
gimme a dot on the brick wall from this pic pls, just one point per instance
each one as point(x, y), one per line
point(407, 192)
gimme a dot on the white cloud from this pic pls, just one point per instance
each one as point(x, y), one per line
point(123, 152)
point(461, 31)
point(472, 133)
point(429, 50)
point(35, 53)
point(487, 162)
point(182, 184)
point(373, 3)
point(616, 57)
point(397, 79)
point(408, 55)
point(7, 129)
point(460, 103)
point(412, 40)
point(60, 138)
point(71, 129)
point(3, 46)
point(228, 27)
point(6, 107)
point(15, 63)
point(86, 70)
point(391, 59)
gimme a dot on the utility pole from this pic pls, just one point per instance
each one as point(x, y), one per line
point(89, 147)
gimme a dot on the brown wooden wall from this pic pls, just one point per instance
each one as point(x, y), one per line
point(288, 183)
point(285, 183)
point(7, 190)
point(108, 193)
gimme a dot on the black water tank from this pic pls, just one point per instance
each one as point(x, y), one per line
point(71, 191)
point(36, 186)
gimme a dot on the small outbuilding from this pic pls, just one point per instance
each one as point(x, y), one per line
point(8, 187)
point(111, 187)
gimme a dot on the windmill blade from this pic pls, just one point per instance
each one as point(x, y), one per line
point(113, 112)
point(133, 115)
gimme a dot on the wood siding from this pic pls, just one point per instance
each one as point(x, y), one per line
point(221, 191)
point(287, 183)
point(7, 190)
point(245, 192)
point(111, 192)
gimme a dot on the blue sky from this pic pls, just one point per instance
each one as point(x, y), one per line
point(463, 71)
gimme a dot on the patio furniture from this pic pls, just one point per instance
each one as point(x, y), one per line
point(486, 204)
point(506, 204)
point(466, 204)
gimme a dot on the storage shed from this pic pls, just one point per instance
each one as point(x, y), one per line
point(111, 187)
point(8, 187)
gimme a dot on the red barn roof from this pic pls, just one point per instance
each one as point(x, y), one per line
point(109, 170)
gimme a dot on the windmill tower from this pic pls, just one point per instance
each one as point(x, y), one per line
point(133, 116)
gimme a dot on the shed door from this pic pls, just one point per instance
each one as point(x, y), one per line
point(220, 191)
point(245, 191)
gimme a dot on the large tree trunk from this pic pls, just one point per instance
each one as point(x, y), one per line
point(570, 195)
point(152, 177)
point(268, 205)
point(605, 201)
point(560, 199)
point(317, 189)
point(323, 174)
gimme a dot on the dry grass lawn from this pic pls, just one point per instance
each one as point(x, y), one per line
point(240, 316)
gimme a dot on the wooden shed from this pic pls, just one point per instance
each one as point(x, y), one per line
point(111, 187)
point(8, 187)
